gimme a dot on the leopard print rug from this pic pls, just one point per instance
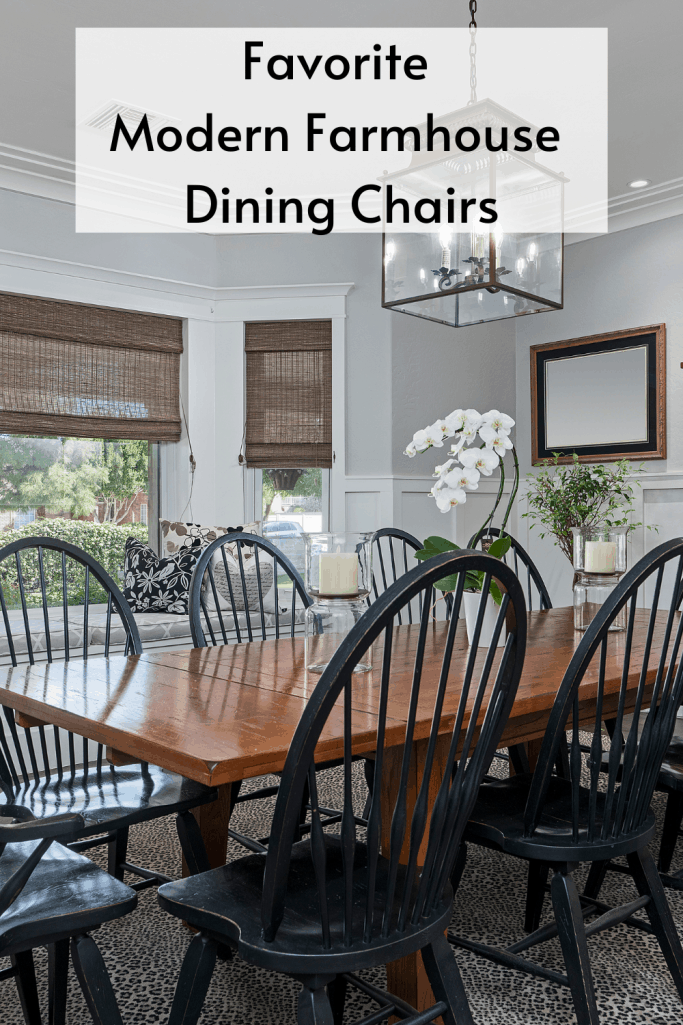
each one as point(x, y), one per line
point(144, 950)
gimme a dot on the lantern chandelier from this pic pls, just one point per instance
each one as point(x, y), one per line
point(468, 276)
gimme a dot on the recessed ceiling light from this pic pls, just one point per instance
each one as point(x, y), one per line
point(639, 183)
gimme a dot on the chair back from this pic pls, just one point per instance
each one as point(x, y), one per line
point(428, 684)
point(644, 664)
point(521, 562)
point(392, 556)
point(243, 585)
point(47, 590)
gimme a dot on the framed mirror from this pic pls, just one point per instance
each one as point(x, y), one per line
point(603, 397)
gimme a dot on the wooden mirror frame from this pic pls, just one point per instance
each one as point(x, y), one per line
point(655, 447)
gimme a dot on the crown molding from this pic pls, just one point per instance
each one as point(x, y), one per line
point(48, 177)
point(210, 303)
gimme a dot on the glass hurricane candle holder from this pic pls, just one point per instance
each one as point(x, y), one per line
point(338, 565)
point(338, 576)
point(599, 564)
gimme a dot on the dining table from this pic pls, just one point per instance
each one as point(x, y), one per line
point(223, 714)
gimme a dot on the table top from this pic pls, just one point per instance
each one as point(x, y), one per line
point(229, 712)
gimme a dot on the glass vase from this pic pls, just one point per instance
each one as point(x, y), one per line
point(599, 564)
point(338, 576)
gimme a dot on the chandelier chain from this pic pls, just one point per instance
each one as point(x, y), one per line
point(473, 53)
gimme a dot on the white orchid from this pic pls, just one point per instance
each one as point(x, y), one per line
point(457, 445)
point(502, 445)
point(466, 427)
point(446, 498)
point(483, 459)
point(439, 471)
point(469, 432)
point(489, 435)
point(442, 425)
point(499, 421)
point(456, 420)
point(465, 478)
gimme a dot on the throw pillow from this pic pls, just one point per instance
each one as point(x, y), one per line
point(151, 584)
point(176, 536)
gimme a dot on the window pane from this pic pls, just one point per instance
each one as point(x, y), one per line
point(87, 491)
point(293, 505)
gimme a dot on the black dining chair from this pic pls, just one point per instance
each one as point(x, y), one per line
point(244, 588)
point(338, 902)
point(59, 583)
point(550, 820)
point(51, 896)
point(520, 561)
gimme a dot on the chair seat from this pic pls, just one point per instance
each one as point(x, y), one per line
point(122, 796)
point(66, 894)
point(498, 815)
point(227, 903)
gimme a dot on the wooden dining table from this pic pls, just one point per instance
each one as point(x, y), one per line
point(228, 713)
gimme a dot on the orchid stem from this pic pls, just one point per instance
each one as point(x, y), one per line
point(515, 489)
point(488, 520)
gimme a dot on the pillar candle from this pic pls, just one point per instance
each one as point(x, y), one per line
point(338, 573)
point(600, 556)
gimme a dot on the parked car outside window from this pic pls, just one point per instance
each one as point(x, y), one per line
point(279, 531)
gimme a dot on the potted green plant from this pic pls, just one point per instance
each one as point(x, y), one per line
point(480, 444)
point(583, 495)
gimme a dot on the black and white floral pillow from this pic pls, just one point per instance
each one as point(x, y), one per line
point(152, 584)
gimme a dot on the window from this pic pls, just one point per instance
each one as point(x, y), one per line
point(143, 512)
point(85, 394)
point(76, 489)
point(288, 435)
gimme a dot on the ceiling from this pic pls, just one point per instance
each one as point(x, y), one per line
point(645, 76)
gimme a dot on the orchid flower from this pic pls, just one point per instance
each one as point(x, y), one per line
point(446, 498)
point(439, 471)
point(499, 421)
point(442, 425)
point(456, 420)
point(502, 445)
point(489, 435)
point(465, 478)
point(483, 459)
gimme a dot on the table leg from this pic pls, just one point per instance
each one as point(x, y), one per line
point(214, 819)
point(407, 978)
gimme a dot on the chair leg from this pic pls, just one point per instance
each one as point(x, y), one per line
point(94, 981)
point(314, 1007)
point(596, 877)
point(58, 981)
point(647, 880)
point(535, 894)
point(572, 934)
point(26, 986)
point(459, 867)
point(116, 853)
point(446, 982)
point(336, 992)
point(369, 773)
point(193, 981)
point(672, 825)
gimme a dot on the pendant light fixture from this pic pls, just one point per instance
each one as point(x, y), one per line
point(460, 275)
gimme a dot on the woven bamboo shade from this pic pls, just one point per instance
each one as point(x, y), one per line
point(67, 369)
point(289, 393)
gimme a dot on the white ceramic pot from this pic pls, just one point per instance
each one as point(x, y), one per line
point(471, 601)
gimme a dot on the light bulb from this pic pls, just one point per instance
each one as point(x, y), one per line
point(423, 276)
point(532, 250)
point(520, 266)
point(389, 252)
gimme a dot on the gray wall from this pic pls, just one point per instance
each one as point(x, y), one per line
point(625, 280)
